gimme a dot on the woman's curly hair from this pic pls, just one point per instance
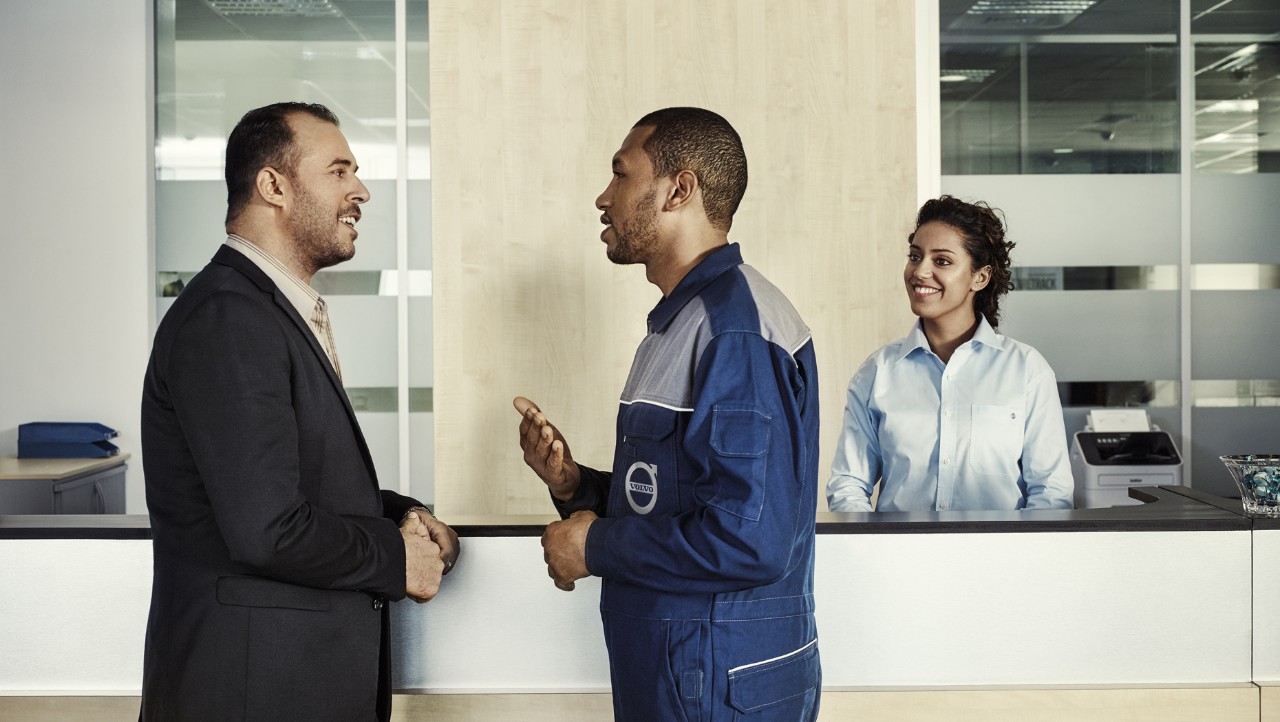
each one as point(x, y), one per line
point(983, 232)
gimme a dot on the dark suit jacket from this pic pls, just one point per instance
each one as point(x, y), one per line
point(274, 554)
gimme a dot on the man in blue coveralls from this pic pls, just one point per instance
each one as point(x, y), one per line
point(703, 533)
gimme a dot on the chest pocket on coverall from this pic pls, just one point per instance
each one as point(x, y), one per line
point(649, 481)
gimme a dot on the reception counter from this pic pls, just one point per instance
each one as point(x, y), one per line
point(1141, 612)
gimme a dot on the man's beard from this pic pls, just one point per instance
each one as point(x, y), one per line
point(315, 233)
point(637, 243)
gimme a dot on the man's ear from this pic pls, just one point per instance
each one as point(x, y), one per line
point(684, 186)
point(982, 278)
point(271, 185)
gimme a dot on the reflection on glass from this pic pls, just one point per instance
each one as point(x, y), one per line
point(217, 59)
point(1236, 393)
point(981, 124)
point(1059, 87)
point(385, 399)
point(227, 58)
point(1237, 107)
point(1093, 88)
point(1235, 277)
point(1095, 278)
point(1210, 17)
point(1085, 108)
point(1234, 212)
point(1135, 394)
point(1060, 17)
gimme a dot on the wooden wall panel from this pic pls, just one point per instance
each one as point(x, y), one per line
point(1269, 701)
point(530, 99)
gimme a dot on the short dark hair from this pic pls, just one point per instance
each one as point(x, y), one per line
point(263, 138)
point(983, 232)
point(700, 141)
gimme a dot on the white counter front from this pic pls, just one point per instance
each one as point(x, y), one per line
point(949, 609)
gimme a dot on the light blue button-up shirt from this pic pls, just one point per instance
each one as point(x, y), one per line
point(982, 432)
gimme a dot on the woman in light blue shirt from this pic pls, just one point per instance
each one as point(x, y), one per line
point(953, 416)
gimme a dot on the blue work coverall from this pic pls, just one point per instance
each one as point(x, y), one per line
point(706, 538)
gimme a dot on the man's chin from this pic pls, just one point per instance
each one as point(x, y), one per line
point(336, 255)
point(621, 255)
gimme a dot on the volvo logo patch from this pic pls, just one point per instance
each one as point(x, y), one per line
point(642, 491)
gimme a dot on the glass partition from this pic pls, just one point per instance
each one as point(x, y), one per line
point(367, 61)
point(1235, 235)
point(1059, 87)
point(1137, 169)
point(1065, 117)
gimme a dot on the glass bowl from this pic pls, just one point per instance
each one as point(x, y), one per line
point(1258, 478)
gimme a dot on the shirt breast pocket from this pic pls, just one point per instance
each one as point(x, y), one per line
point(649, 454)
point(995, 439)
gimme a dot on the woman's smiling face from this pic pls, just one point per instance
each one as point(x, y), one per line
point(940, 278)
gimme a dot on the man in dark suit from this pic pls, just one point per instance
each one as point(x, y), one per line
point(275, 551)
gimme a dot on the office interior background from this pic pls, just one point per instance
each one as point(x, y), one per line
point(1132, 145)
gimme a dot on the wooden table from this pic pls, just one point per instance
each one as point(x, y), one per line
point(62, 486)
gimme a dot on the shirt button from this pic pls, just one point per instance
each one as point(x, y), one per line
point(942, 507)
point(946, 461)
point(946, 414)
point(377, 602)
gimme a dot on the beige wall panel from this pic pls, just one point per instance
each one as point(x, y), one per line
point(1222, 704)
point(529, 102)
point(503, 707)
point(1270, 703)
point(70, 709)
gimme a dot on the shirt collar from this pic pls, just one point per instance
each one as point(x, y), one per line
point(717, 262)
point(986, 335)
point(916, 339)
point(301, 296)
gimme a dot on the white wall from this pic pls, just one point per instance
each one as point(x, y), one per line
point(75, 277)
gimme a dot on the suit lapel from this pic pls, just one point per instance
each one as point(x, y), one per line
point(235, 259)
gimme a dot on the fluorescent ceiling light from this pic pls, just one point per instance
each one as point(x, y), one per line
point(286, 8)
point(1030, 7)
point(1064, 150)
point(961, 75)
point(1020, 15)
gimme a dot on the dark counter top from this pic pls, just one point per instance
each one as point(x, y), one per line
point(1164, 509)
point(1172, 508)
point(75, 526)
